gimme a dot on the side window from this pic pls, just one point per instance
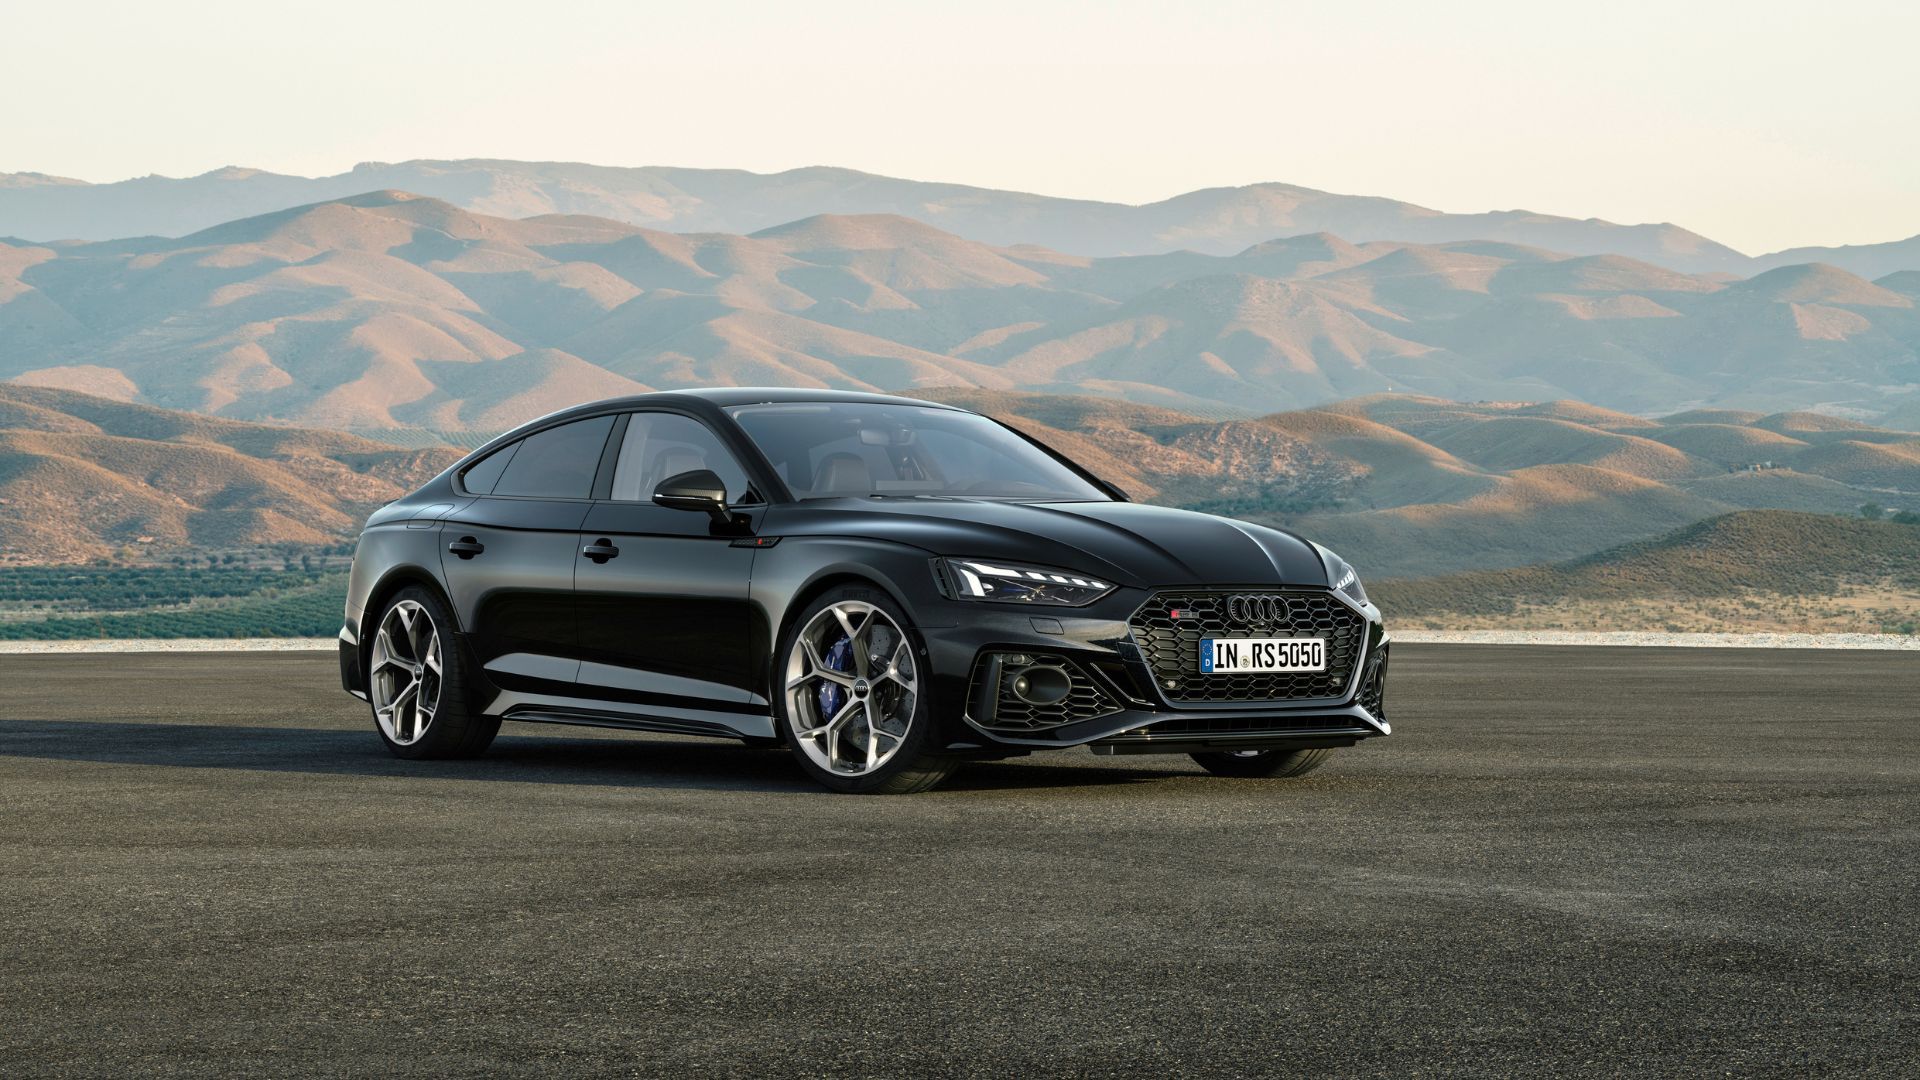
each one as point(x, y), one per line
point(483, 474)
point(660, 445)
point(558, 463)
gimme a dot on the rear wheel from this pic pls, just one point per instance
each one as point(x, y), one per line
point(416, 682)
point(851, 704)
point(1258, 763)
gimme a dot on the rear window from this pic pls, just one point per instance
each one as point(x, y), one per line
point(558, 463)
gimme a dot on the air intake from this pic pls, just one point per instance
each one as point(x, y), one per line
point(1026, 692)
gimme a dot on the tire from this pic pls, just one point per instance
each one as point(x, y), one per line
point(401, 653)
point(1251, 764)
point(880, 672)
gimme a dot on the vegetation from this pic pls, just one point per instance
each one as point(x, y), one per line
point(1760, 569)
point(58, 603)
point(1876, 512)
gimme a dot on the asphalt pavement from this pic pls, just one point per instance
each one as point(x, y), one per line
point(1572, 861)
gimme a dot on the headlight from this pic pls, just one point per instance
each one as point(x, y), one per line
point(1344, 578)
point(981, 579)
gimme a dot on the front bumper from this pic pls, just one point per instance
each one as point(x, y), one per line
point(1118, 705)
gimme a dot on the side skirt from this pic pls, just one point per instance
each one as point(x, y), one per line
point(587, 718)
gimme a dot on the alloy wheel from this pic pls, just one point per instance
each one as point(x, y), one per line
point(852, 686)
point(405, 673)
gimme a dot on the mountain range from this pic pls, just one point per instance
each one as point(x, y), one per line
point(1218, 221)
point(391, 310)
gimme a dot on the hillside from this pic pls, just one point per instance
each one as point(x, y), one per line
point(1530, 516)
point(1754, 570)
point(83, 478)
point(387, 310)
point(1410, 486)
point(1404, 486)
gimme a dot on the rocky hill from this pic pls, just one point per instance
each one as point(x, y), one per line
point(1410, 487)
point(1404, 486)
point(84, 478)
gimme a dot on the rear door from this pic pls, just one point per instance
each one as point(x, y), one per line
point(667, 622)
point(508, 555)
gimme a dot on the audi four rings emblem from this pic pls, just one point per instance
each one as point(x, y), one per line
point(1257, 609)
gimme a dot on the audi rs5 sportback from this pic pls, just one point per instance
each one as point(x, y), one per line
point(887, 587)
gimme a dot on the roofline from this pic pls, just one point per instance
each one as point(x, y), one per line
point(726, 397)
point(709, 401)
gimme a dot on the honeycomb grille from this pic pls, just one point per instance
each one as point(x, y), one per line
point(1171, 646)
point(1373, 689)
point(1085, 701)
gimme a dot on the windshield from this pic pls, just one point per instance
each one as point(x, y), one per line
point(829, 449)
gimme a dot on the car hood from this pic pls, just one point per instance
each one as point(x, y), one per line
point(1129, 543)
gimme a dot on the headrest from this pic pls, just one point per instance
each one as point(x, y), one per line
point(843, 474)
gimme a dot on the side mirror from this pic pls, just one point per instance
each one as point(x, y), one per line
point(700, 490)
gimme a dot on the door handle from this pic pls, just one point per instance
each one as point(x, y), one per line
point(600, 550)
point(466, 547)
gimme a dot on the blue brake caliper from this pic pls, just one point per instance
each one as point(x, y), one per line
point(831, 695)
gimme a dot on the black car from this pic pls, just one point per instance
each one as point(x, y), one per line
point(886, 586)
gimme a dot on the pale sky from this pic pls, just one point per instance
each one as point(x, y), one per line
point(1761, 124)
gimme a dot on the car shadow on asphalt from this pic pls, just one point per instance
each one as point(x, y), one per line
point(643, 762)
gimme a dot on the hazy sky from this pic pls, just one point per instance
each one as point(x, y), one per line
point(1761, 124)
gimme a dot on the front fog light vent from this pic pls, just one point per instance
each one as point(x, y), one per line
point(1027, 692)
point(1040, 684)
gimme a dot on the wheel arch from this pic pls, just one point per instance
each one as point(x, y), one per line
point(387, 587)
point(834, 575)
point(823, 583)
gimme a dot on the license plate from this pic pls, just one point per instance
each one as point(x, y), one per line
point(1231, 655)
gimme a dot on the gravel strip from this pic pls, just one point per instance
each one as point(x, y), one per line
point(1426, 637)
point(188, 645)
point(1685, 641)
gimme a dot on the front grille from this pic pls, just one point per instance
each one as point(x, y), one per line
point(1171, 646)
point(1085, 699)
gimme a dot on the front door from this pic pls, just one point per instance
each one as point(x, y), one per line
point(508, 555)
point(666, 623)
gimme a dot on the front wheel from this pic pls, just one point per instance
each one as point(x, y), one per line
point(851, 702)
point(1259, 763)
